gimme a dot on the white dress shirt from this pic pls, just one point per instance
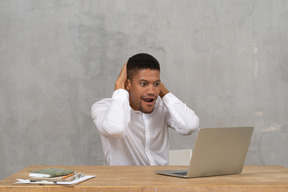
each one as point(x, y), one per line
point(134, 138)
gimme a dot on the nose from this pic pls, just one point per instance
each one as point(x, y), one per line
point(151, 90)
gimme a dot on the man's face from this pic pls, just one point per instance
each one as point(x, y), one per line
point(144, 89)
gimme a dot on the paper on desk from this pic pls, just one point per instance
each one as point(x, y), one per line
point(27, 181)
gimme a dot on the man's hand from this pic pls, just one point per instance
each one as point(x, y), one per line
point(163, 90)
point(122, 79)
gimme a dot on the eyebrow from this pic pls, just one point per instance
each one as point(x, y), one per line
point(148, 81)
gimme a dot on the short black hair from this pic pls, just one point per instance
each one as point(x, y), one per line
point(141, 61)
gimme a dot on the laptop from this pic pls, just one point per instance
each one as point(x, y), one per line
point(217, 151)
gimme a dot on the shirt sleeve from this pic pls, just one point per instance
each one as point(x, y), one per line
point(180, 117)
point(111, 116)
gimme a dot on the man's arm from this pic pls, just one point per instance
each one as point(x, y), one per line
point(180, 117)
point(122, 79)
point(111, 115)
point(163, 90)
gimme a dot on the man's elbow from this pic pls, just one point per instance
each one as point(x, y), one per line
point(191, 127)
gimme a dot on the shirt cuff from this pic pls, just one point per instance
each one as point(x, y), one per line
point(169, 99)
point(120, 94)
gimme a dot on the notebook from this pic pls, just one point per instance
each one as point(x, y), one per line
point(217, 151)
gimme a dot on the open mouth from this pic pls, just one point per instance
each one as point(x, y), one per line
point(149, 100)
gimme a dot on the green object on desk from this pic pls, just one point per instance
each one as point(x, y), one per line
point(53, 172)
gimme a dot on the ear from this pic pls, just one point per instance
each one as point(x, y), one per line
point(128, 85)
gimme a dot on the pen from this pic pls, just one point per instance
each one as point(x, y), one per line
point(65, 177)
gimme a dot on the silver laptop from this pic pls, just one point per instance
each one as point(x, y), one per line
point(217, 151)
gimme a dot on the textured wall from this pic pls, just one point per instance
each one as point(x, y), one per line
point(226, 59)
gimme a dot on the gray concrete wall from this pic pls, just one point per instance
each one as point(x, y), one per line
point(226, 59)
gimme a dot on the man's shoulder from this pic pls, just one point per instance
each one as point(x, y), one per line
point(102, 102)
point(117, 94)
point(106, 100)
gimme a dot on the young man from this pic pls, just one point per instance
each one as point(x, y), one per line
point(134, 123)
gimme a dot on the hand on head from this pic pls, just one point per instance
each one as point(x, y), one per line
point(163, 90)
point(122, 79)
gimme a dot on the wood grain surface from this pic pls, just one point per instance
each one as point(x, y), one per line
point(143, 178)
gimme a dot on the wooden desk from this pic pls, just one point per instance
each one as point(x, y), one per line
point(143, 178)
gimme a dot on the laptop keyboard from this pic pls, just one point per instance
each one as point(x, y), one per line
point(181, 173)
